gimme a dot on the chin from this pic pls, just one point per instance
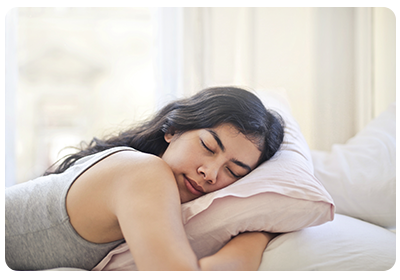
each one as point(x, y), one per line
point(185, 199)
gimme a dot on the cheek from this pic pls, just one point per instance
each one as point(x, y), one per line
point(178, 158)
point(223, 181)
point(170, 158)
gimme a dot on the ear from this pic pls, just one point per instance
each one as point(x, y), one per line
point(168, 137)
point(169, 134)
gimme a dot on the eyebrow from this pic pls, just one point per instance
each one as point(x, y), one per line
point(222, 147)
point(216, 137)
point(241, 164)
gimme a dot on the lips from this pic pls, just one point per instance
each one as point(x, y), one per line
point(193, 187)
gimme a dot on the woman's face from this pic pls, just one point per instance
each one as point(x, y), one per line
point(207, 160)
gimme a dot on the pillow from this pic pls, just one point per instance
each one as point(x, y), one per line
point(346, 244)
point(360, 175)
point(281, 195)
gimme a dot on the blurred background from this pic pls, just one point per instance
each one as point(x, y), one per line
point(76, 73)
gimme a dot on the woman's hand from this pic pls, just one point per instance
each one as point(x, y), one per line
point(243, 252)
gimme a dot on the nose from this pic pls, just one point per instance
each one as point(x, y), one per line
point(209, 173)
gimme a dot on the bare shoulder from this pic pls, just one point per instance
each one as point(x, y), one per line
point(136, 170)
point(121, 179)
point(134, 196)
point(136, 177)
point(124, 165)
point(125, 160)
point(129, 171)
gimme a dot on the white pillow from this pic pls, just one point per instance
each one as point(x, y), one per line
point(360, 175)
point(346, 244)
point(281, 195)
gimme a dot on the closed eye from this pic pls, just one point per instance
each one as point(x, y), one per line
point(205, 146)
point(234, 175)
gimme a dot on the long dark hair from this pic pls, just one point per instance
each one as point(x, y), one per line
point(208, 108)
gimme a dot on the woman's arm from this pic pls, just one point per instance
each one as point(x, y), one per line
point(134, 196)
point(148, 210)
point(243, 252)
point(150, 218)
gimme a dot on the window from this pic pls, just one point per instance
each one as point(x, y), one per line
point(81, 72)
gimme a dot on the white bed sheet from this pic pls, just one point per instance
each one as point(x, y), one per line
point(345, 244)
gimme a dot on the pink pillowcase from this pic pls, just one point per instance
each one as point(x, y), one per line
point(281, 195)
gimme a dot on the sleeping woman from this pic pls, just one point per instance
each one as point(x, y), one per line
point(130, 188)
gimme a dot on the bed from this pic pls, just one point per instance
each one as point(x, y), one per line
point(336, 210)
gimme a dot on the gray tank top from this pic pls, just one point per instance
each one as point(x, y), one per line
point(38, 232)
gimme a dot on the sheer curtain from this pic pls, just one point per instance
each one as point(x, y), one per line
point(337, 65)
point(10, 104)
